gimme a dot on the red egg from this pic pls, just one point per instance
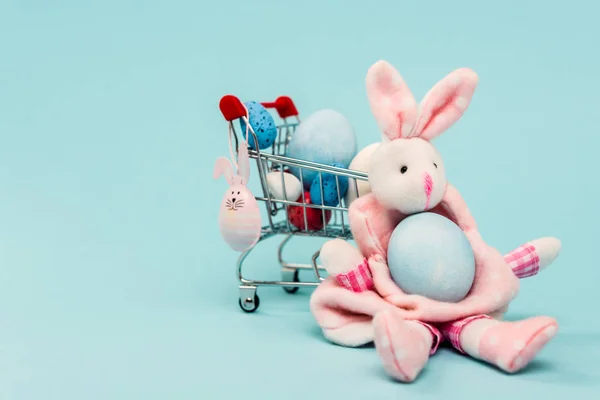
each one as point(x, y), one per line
point(314, 216)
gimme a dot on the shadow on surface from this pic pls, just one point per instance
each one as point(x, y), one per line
point(568, 360)
point(565, 360)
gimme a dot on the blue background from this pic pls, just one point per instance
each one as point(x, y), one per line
point(114, 282)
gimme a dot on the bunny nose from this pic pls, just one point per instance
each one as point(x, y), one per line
point(233, 199)
point(428, 187)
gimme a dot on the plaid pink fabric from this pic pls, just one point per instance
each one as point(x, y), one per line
point(452, 330)
point(437, 336)
point(524, 261)
point(358, 279)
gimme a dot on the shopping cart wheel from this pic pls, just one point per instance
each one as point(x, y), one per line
point(249, 305)
point(248, 300)
point(290, 275)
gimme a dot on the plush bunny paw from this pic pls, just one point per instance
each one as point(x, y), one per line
point(548, 249)
point(403, 346)
point(512, 345)
point(347, 265)
point(529, 259)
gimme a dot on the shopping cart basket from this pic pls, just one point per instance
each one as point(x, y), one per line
point(274, 159)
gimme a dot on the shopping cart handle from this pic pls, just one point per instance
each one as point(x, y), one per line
point(232, 108)
point(284, 105)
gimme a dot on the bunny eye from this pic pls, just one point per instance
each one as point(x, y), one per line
point(232, 193)
point(238, 192)
point(435, 165)
point(403, 169)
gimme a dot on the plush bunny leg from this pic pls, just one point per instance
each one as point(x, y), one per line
point(345, 262)
point(529, 259)
point(403, 346)
point(508, 345)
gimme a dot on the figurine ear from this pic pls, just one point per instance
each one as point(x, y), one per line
point(243, 163)
point(223, 166)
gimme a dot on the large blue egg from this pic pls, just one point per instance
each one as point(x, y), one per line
point(262, 123)
point(329, 183)
point(324, 137)
point(429, 255)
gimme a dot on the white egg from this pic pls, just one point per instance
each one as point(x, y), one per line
point(360, 163)
point(293, 187)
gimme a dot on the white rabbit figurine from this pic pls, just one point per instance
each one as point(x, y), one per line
point(239, 215)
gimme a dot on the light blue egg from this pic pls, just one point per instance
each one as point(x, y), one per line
point(429, 255)
point(330, 191)
point(262, 123)
point(325, 137)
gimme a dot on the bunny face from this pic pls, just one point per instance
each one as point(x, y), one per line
point(406, 172)
point(407, 175)
point(236, 198)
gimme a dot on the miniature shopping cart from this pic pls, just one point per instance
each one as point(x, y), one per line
point(274, 159)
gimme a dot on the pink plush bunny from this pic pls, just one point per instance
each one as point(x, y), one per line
point(239, 215)
point(359, 302)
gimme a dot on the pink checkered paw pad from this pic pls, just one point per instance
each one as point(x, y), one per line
point(436, 335)
point(512, 345)
point(452, 330)
point(524, 261)
point(358, 279)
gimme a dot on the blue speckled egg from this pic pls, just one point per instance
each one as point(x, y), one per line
point(324, 137)
point(262, 123)
point(429, 255)
point(330, 191)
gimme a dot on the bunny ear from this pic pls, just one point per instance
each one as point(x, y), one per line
point(223, 166)
point(243, 163)
point(445, 103)
point(392, 103)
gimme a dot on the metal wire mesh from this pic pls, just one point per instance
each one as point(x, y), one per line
point(315, 219)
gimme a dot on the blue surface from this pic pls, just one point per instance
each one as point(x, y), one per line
point(429, 255)
point(114, 283)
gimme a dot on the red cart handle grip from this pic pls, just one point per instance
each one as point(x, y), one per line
point(284, 105)
point(232, 108)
